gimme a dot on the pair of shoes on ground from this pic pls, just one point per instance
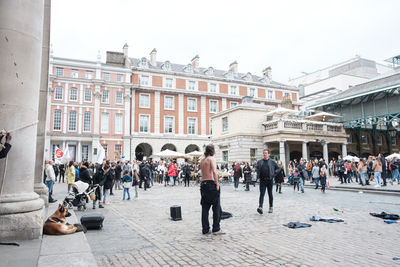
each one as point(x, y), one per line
point(260, 210)
point(100, 206)
point(219, 232)
point(127, 199)
point(53, 200)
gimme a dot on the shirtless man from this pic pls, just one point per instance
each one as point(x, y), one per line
point(210, 191)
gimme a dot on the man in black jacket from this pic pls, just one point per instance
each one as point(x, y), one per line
point(267, 169)
point(186, 173)
point(340, 169)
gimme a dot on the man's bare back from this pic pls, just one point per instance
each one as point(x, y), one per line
point(208, 168)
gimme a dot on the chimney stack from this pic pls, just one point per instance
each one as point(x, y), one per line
point(267, 72)
point(196, 62)
point(153, 57)
point(233, 67)
point(125, 49)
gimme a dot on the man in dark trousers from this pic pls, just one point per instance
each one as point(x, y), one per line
point(186, 173)
point(383, 161)
point(267, 169)
point(340, 169)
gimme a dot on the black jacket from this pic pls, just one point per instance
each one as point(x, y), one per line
point(274, 169)
point(99, 177)
point(118, 172)
point(4, 152)
point(247, 174)
point(84, 175)
point(186, 171)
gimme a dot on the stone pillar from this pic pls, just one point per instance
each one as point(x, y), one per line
point(282, 155)
point(304, 151)
point(287, 158)
point(97, 96)
point(344, 150)
point(79, 152)
point(21, 29)
point(39, 187)
point(325, 151)
point(157, 112)
point(181, 113)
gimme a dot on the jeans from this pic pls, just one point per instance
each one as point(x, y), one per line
point(377, 176)
point(342, 177)
point(323, 183)
point(118, 184)
point(316, 179)
point(266, 184)
point(301, 182)
point(106, 191)
point(236, 181)
point(49, 185)
point(383, 177)
point(362, 176)
point(171, 179)
point(126, 191)
point(136, 191)
point(395, 175)
point(69, 187)
point(210, 197)
point(99, 192)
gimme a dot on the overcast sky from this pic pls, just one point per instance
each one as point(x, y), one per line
point(290, 36)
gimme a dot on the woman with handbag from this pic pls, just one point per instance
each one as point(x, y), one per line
point(126, 184)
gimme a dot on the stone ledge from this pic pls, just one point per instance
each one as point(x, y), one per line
point(65, 250)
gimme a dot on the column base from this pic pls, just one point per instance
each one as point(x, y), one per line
point(43, 192)
point(21, 216)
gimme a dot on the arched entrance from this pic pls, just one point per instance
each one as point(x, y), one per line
point(191, 148)
point(143, 150)
point(316, 155)
point(168, 146)
point(334, 155)
point(295, 155)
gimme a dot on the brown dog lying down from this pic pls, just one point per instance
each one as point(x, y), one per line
point(56, 224)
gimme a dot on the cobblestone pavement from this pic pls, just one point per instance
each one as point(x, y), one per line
point(140, 233)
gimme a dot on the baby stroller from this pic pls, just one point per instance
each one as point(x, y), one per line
point(79, 196)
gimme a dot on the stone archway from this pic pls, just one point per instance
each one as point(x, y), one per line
point(143, 150)
point(191, 148)
point(296, 155)
point(334, 155)
point(168, 146)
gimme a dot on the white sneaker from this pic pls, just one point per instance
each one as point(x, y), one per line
point(377, 185)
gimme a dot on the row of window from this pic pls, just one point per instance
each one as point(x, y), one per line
point(169, 124)
point(85, 150)
point(88, 75)
point(144, 102)
point(87, 117)
point(144, 80)
point(73, 95)
point(364, 140)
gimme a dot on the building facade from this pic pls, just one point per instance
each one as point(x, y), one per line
point(136, 107)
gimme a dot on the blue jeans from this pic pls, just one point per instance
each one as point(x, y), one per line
point(362, 176)
point(126, 191)
point(377, 176)
point(395, 175)
point(105, 194)
point(316, 180)
point(171, 179)
point(49, 185)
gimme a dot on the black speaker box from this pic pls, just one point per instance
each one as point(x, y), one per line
point(176, 214)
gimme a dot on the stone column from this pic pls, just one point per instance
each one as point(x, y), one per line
point(79, 152)
point(181, 113)
point(157, 112)
point(304, 151)
point(282, 155)
point(325, 151)
point(344, 150)
point(39, 187)
point(21, 29)
point(287, 157)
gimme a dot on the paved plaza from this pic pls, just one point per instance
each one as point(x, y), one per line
point(140, 232)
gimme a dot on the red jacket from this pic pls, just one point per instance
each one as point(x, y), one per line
point(172, 170)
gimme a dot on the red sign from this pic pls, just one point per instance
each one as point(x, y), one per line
point(59, 153)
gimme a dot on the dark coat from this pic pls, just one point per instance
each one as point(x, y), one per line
point(279, 178)
point(109, 179)
point(84, 175)
point(237, 172)
point(118, 172)
point(186, 171)
point(274, 169)
point(247, 174)
point(4, 152)
point(99, 177)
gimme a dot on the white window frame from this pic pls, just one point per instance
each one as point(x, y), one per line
point(59, 72)
point(216, 106)
point(225, 126)
point(121, 98)
point(105, 147)
point(56, 122)
point(210, 126)
point(106, 76)
point(118, 150)
point(173, 124)
point(394, 140)
point(216, 88)
point(103, 127)
point(148, 123)
point(120, 78)
point(362, 139)
point(70, 94)
point(85, 154)
point(195, 104)
point(118, 123)
point(89, 75)
point(195, 87)
point(230, 89)
point(287, 94)
point(235, 103)
point(141, 80)
point(141, 103)
point(267, 94)
point(105, 100)
point(172, 102)
point(69, 121)
point(74, 74)
point(249, 90)
point(165, 82)
point(195, 125)
point(84, 97)
point(87, 121)
point(55, 93)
